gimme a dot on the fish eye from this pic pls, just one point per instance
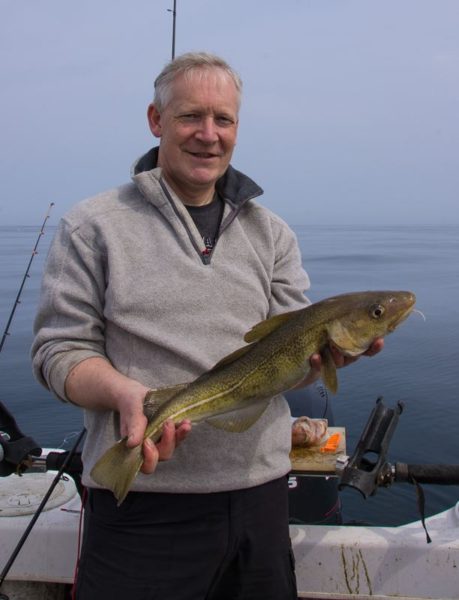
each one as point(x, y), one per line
point(377, 311)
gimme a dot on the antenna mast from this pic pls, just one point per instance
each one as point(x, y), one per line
point(174, 16)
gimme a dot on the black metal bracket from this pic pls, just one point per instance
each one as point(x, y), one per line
point(368, 469)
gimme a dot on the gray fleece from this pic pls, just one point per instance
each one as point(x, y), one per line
point(125, 280)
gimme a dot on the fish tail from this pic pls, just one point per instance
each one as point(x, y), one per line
point(117, 468)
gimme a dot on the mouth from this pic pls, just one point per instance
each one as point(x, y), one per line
point(203, 155)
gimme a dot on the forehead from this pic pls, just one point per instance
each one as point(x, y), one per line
point(205, 87)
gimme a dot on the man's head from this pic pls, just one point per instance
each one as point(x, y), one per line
point(195, 113)
point(189, 64)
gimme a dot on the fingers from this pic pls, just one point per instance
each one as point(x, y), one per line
point(182, 430)
point(166, 444)
point(163, 450)
point(340, 359)
point(171, 437)
point(315, 361)
point(150, 457)
point(313, 374)
point(376, 346)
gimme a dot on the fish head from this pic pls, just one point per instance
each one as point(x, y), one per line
point(363, 316)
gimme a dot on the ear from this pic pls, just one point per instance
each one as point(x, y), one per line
point(154, 120)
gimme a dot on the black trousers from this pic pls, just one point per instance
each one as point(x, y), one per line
point(223, 546)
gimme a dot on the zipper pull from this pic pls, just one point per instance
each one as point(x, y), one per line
point(205, 256)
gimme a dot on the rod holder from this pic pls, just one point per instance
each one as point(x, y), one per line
point(363, 470)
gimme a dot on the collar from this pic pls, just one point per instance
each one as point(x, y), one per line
point(234, 187)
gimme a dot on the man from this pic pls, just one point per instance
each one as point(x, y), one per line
point(147, 286)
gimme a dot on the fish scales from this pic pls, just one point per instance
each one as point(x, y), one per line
point(272, 366)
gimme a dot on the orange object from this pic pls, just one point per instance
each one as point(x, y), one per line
point(331, 445)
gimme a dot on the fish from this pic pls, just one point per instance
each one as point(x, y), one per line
point(307, 432)
point(234, 394)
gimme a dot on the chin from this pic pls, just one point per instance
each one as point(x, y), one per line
point(204, 179)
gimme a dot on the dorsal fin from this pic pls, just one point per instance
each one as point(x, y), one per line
point(264, 328)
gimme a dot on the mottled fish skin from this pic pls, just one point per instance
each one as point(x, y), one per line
point(234, 394)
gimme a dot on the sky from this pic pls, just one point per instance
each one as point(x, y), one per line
point(349, 115)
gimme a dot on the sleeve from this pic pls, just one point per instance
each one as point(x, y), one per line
point(289, 281)
point(69, 325)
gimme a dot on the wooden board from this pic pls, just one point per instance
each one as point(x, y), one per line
point(311, 461)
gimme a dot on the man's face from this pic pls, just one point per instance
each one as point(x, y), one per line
point(198, 129)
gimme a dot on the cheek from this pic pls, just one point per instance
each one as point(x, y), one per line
point(171, 142)
point(181, 136)
point(229, 141)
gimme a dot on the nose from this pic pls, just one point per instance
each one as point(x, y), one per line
point(207, 131)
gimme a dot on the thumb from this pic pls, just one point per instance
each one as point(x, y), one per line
point(135, 431)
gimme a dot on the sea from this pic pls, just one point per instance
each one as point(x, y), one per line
point(419, 366)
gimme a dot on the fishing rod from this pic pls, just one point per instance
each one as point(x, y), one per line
point(26, 275)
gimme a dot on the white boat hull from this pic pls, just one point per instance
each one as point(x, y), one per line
point(333, 562)
point(346, 562)
point(46, 562)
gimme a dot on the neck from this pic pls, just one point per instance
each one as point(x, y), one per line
point(191, 197)
point(199, 201)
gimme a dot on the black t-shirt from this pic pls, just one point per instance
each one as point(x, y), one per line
point(207, 219)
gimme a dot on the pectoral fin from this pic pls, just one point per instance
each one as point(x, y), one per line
point(239, 420)
point(328, 370)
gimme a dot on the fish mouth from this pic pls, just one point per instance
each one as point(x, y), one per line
point(410, 302)
point(400, 319)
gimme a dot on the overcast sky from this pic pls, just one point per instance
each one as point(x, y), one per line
point(350, 107)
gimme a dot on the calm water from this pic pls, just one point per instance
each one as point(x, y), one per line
point(419, 366)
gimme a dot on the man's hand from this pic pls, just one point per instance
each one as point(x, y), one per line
point(344, 361)
point(94, 384)
point(163, 450)
point(339, 359)
point(133, 424)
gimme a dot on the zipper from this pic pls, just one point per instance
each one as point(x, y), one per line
point(205, 254)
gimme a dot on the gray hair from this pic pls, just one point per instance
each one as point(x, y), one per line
point(188, 64)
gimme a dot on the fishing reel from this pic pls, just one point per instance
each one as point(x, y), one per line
point(17, 451)
point(20, 453)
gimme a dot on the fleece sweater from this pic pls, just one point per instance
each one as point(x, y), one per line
point(128, 278)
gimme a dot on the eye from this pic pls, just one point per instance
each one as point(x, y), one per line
point(376, 311)
point(189, 117)
point(224, 121)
